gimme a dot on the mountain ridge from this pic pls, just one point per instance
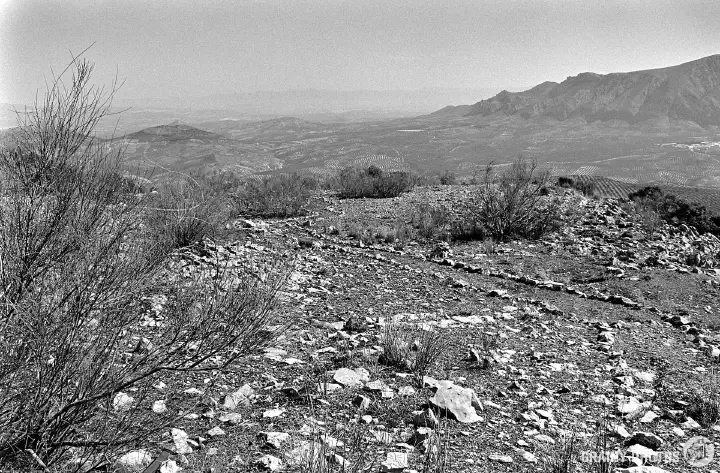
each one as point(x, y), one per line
point(689, 91)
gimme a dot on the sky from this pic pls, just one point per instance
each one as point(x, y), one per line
point(183, 48)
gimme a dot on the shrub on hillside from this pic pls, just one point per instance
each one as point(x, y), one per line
point(431, 221)
point(587, 188)
point(674, 210)
point(181, 213)
point(78, 358)
point(447, 178)
point(278, 195)
point(508, 205)
point(373, 183)
point(565, 182)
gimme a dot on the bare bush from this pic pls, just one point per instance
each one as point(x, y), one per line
point(373, 183)
point(75, 267)
point(431, 221)
point(181, 214)
point(281, 195)
point(511, 204)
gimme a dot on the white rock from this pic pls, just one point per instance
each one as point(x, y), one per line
point(135, 461)
point(649, 416)
point(500, 458)
point(232, 418)
point(269, 462)
point(122, 401)
point(270, 413)
point(159, 407)
point(348, 377)
point(216, 432)
point(458, 402)
point(395, 462)
point(273, 439)
point(240, 398)
point(180, 439)
point(629, 405)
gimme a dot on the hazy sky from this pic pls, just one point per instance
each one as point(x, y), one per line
point(191, 48)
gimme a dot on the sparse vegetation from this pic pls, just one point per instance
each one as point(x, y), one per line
point(77, 360)
point(509, 205)
point(447, 178)
point(373, 183)
point(431, 221)
point(675, 210)
point(180, 214)
point(704, 403)
point(411, 347)
point(563, 455)
point(278, 195)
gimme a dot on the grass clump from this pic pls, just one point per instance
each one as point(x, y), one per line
point(704, 403)
point(431, 221)
point(373, 183)
point(564, 455)
point(180, 214)
point(412, 347)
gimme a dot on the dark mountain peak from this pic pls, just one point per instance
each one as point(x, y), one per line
point(174, 131)
point(688, 91)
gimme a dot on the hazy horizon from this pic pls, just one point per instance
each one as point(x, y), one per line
point(184, 50)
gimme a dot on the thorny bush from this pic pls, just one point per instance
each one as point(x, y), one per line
point(510, 204)
point(75, 268)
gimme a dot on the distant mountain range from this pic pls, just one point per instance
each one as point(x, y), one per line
point(687, 92)
point(325, 104)
point(659, 125)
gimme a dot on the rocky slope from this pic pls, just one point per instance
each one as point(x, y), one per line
point(599, 331)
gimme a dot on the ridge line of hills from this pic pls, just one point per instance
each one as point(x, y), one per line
point(688, 91)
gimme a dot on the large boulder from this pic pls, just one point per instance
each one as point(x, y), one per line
point(457, 403)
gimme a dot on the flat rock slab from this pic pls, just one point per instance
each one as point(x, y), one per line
point(348, 377)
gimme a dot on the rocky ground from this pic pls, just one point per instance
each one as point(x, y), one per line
point(599, 332)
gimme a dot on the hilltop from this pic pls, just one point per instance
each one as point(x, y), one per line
point(172, 132)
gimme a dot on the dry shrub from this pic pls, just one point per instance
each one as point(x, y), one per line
point(280, 195)
point(511, 204)
point(564, 455)
point(412, 347)
point(373, 183)
point(181, 214)
point(704, 403)
point(76, 340)
point(431, 221)
point(438, 458)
